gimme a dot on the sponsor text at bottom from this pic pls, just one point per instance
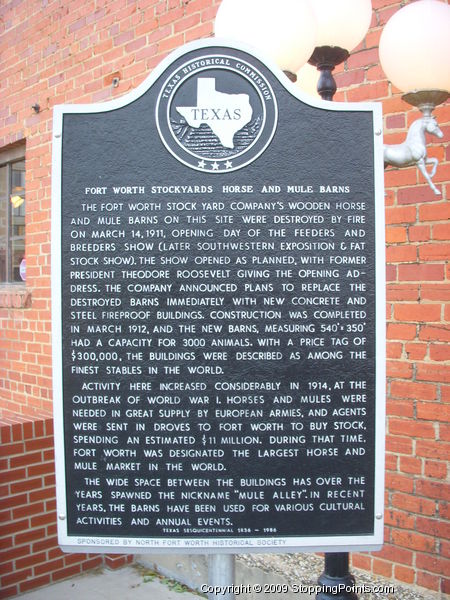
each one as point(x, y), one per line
point(280, 588)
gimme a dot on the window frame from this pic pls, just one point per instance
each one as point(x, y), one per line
point(8, 158)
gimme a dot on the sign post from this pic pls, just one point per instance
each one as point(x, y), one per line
point(218, 315)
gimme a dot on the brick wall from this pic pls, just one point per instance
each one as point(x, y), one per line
point(59, 52)
point(29, 552)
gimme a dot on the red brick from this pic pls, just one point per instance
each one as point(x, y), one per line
point(435, 333)
point(401, 331)
point(439, 352)
point(31, 560)
point(412, 465)
point(394, 350)
point(348, 78)
point(412, 503)
point(9, 592)
point(444, 510)
point(399, 444)
point(12, 501)
point(28, 510)
point(433, 564)
point(436, 469)
point(368, 91)
point(431, 449)
point(49, 566)
point(92, 563)
point(441, 232)
point(66, 572)
point(362, 58)
point(391, 462)
point(395, 554)
point(398, 519)
point(434, 252)
point(381, 567)
point(399, 369)
point(203, 30)
point(39, 520)
point(186, 23)
point(13, 527)
point(401, 253)
point(415, 541)
point(426, 580)
point(11, 553)
point(433, 411)
point(401, 177)
point(11, 449)
point(29, 536)
point(361, 561)
point(396, 235)
point(435, 292)
point(440, 529)
point(45, 544)
point(41, 469)
point(434, 212)
point(403, 292)
point(405, 574)
point(116, 561)
point(416, 351)
point(419, 233)
point(438, 490)
point(417, 194)
point(430, 372)
point(413, 390)
point(400, 409)
point(16, 577)
point(12, 476)
point(34, 582)
point(417, 312)
point(398, 215)
point(395, 122)
point(412, 428)
point(420, 272)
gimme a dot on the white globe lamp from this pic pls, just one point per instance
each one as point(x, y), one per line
point(415, 52)
point(341, 25)
point(284, 30)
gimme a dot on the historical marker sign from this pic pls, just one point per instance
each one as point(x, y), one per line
point(218, 314)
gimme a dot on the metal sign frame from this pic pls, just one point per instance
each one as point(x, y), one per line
point(265, 543)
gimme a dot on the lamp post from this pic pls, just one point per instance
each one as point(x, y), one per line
point(414, 54)
point(341, 26)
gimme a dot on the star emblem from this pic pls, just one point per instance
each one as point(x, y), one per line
point(228, 164)
point(201, 164)
point(215, 166)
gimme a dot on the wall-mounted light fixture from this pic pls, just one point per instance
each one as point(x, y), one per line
point(415, 55)
point(341, 26)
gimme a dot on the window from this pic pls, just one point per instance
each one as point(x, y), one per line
point(12, 216)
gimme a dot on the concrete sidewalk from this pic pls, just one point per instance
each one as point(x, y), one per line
point(128, 583)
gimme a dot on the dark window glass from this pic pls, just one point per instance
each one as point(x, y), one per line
point(12, 221)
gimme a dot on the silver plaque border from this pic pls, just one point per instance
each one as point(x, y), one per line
point(124, 545)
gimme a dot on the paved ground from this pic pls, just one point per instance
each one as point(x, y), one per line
point(128, 583)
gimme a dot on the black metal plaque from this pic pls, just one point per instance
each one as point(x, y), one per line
point(218, 362)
